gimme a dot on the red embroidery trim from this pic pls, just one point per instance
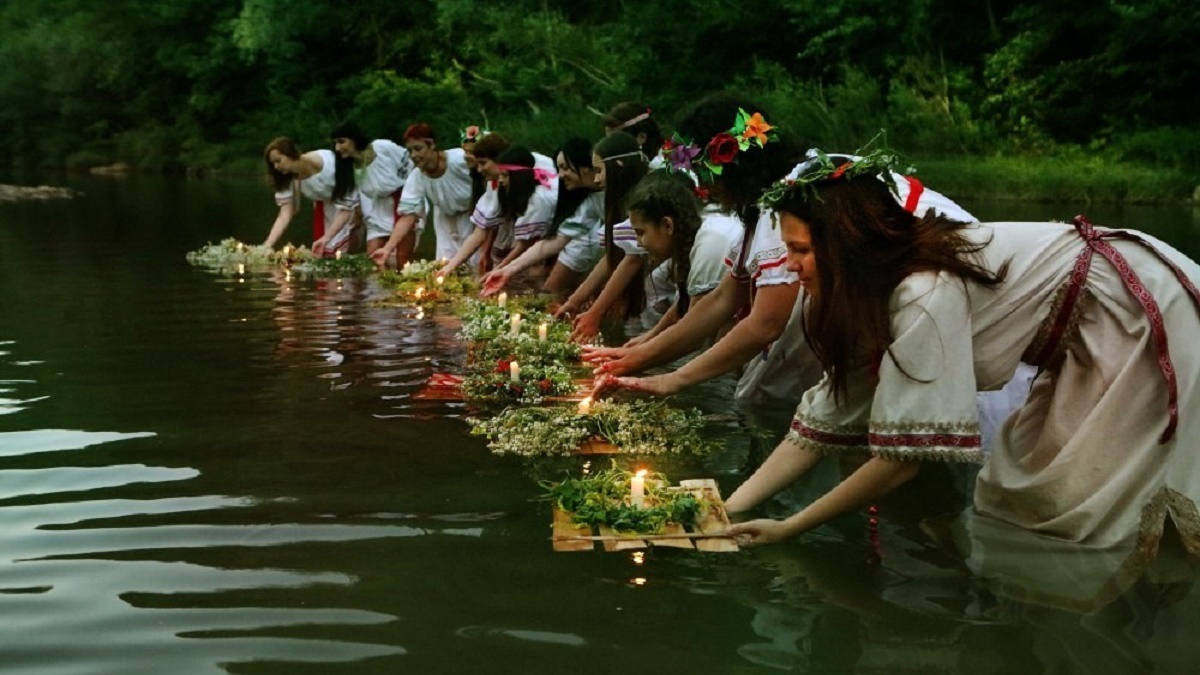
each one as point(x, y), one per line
point(1095, 242)
point(827, 437)
point(924, 440)
point(915, 188)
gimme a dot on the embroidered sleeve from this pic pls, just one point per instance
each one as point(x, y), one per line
point(823, 424)
point(413, 196)
point(924, 405)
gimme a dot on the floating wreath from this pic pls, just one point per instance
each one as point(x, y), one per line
point(533, 383)
point(420, 282)
point(231, 252)
point(601, 498)
point(636, 427)
point(354, 265)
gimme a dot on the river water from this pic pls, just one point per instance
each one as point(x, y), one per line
point(206, 474)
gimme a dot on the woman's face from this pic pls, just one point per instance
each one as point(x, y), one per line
point(424, 154)
point(800, 256)
point(488, 168)
point(469, 149)
point(283, 163)
point(657, 238)
point(502, 178)
point(573, 179)
point(598, 171)
point(344, 147)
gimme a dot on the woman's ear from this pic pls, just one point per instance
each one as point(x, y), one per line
point(668, 224)
point(641, 138)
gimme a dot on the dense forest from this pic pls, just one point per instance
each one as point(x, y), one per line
point(196, 84)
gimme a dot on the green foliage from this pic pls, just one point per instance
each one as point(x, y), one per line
point(206, 83)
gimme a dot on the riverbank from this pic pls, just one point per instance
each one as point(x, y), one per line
point(1090, 180)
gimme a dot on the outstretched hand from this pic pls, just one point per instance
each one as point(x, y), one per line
point(380, 256)
point(760, 531)
point(659, 385)
point(586, 326)
point(492, 282)
point(318, 247)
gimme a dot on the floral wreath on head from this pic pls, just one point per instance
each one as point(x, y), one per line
point(471, 134)
point(874, 158)
point(748, 131)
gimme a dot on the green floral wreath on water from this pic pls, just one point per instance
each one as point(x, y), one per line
point(874, 159)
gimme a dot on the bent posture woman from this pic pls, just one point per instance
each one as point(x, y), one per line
point(911, 315)
point(312, 175)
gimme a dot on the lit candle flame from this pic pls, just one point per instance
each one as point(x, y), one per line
point(585, 406)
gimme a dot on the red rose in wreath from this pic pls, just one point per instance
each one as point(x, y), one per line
point(722, 149)
point(502, 365)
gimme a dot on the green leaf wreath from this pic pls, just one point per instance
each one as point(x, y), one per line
point(601, 498)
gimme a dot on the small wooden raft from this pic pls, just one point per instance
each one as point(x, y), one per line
point(708, 534)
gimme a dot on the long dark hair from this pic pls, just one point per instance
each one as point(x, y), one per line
point(624, 166)
point(742, 182)
point(343, 167)
point(578, 155)
point(288, 148)
point(514, 199)
point(865, 244)
point(664, 194)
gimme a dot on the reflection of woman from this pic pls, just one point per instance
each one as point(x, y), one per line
point(909, 316)
point(312, 175)
point(443, 181)
point(576, 231)
point(378, 169)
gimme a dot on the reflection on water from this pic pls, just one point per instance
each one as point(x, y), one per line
point(209, 472)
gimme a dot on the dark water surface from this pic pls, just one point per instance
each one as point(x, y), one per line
point(204, 475)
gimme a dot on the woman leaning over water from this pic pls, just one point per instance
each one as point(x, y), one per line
point(310, 174)
point(910, 315)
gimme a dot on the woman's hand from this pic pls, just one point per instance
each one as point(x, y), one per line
point(380, 256)
point(318, 247)
point(658, 385)
point(613, 360)
point(761, 531)
point(586, 326)
point(493, 281)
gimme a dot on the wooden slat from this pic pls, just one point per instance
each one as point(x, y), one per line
point(597, 446)
point(675, 529)
point(713, 520)
point(621, 543)
point(563, 527)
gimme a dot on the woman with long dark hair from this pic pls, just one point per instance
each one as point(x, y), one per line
point(910, 315)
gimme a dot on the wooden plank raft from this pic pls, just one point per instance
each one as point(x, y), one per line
point(707, 535)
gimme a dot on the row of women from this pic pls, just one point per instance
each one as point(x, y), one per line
point(901, 324)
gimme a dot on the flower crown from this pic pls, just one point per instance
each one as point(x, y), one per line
point(874, 158)
point(748, 130)
point(471, 134)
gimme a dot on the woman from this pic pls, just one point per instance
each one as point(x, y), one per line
point(491, 228)
point(634, 119)
point(313, 173)
point(378, 169)
point(619, 164)
point(909, 316)
point(443, 182)
point(576, 232)
point(669, 224)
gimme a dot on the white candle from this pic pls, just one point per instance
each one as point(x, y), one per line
point(637, 489)
point(287, 251)
point(337, 256)
point(241, 268)
point(516, 324)
point(287, 275)
point(439, 280)
point(514, 372)
point(585, 406)
point(404, 270)
point(542, 330)
point(241, 247)
point(501, 300)
point(419, 292)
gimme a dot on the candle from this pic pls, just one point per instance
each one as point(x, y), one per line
point(419, 292)
point(542, 329)
point(516, 324)
point(241, 247)
point(287, 251)
point(287, 275)
point(501, 300)
point(585, 406)
point(514, 372)
point(637, 489)
point(439, 280)
point(337, 256)
point(404, 270)
point(241, 268)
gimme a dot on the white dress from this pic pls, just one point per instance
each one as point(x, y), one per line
point(585, 229)
point(379, 184)
point(319, 189)
point(487, 214)
point(450, 196)
point(1091, 457)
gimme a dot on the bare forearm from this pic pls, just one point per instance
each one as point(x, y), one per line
point(689, 333)
point(286, 213)
point(787, 463)
point(519, 247)
point(594, 281)
point(399, 232)
point(868, 483)
point(626, 272)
